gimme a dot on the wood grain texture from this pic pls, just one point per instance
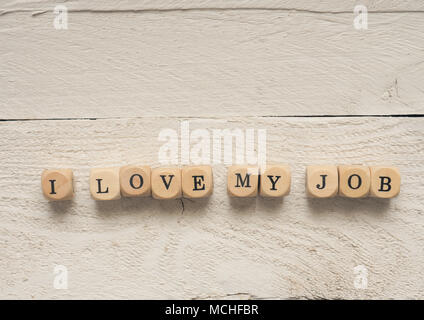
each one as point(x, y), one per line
point(327, 6)
point(141, 66)
point(114, 64)
point(217, 247)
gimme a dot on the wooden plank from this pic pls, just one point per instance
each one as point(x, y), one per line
point(334, 6)
point(220, 248)
point(209, 63)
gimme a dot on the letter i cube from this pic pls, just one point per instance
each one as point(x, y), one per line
point(57, 184)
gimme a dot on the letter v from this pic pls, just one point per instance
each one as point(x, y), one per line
point(164, 180)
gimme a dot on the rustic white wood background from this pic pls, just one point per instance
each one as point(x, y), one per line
point(99, 93)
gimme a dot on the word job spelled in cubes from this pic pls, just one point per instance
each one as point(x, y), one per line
point(271, 181)
point(352, 181)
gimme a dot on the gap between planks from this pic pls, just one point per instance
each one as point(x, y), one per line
point(35, 12)
point(412, 115)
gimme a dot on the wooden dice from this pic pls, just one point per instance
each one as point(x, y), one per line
point(354, 181)
point(322, 181)
point(135, 181)
point(57, 184)
point(242, 181)
point(166, 183)
point(104, 184)
point(197, 181)
point(385, 182)
point(275, 181)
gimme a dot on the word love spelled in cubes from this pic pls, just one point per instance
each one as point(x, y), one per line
point(133, 181)
point(270, 181)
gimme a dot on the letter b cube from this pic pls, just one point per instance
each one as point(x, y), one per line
point(385, 182)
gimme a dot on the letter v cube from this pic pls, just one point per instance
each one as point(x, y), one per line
point(166, 183)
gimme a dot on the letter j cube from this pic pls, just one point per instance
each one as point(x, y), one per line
point(243, 181)
point(104, 184)
point(322, 181)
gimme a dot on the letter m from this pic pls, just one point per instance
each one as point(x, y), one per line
point(243, 182)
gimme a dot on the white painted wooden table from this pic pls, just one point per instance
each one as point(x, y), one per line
point(98, 94)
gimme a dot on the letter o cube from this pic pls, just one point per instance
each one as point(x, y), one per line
point(135, 181)
point(354, 181)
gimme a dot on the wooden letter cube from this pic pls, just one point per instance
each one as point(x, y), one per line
point(275, 181)
point(166, 183)
point(57, 184)
point(104, 184)
point(322, 181)
point(135, 181)
point(385, 182)
point(243, 181)
point(354, 181)
point(197, 181)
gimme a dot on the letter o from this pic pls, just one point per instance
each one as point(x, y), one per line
point(349, 181)
point(132, 181)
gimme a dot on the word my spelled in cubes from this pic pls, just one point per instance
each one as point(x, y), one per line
point(271, 181)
